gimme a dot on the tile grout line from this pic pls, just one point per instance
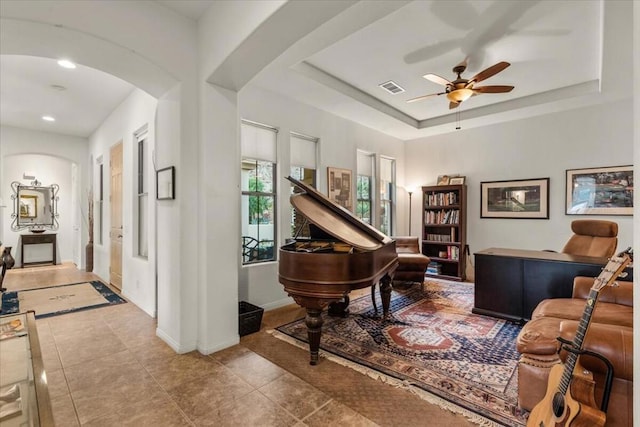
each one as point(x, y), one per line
point(276, 403)
point(64, 373)
point(164, 391)
point(331, 399)
point(258, 389)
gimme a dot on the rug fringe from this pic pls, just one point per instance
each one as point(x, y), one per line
point(406, 385)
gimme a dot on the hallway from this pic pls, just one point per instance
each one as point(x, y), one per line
point(106, 367)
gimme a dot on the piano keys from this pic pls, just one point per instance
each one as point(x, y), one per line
point(342, 254)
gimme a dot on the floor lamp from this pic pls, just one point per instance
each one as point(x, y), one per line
point(410, 193)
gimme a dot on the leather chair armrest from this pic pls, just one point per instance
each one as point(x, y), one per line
point(407, 244)
point(613, 342)
point(620, 294)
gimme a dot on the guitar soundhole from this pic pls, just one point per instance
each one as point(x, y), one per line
point(558, 404)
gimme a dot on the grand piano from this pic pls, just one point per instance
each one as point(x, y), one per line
point(342, 254)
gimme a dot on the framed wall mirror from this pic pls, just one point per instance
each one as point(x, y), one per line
point(34, 206)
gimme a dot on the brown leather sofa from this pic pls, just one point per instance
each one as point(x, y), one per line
point(413, 264)
point(609, 334)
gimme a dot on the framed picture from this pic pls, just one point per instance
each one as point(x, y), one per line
point(339, 187)
point(165, 183)
point(600, 191)
point(443, 180)
point(456, 180)
point(524, 198)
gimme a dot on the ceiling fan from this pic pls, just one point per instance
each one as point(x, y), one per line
point(461, 89)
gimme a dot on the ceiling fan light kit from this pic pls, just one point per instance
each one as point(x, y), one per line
point(460, 95)
point(461, 89)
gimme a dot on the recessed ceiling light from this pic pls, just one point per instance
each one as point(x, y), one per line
point(65, 63)
point(48, 119)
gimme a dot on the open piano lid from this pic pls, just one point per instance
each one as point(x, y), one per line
point(336, 220)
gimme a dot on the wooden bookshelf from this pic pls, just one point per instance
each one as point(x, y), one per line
point(444, 230)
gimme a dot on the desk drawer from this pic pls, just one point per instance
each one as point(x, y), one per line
point(30, 239)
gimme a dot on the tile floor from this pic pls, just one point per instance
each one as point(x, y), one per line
point(106, 367)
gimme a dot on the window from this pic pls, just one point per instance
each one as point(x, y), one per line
point(142, 193)
point(364, 190)
point(303, 161)
point(363, 206)
point(258, 187)
point(387, 194)
point(99, 208)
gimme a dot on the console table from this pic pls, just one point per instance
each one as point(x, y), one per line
point(509, 283)
point(38, 239)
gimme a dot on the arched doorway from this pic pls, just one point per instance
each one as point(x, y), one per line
point(33, 34)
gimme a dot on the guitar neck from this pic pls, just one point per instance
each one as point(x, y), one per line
point(578, 341)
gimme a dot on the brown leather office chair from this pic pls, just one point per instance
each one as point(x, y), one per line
point(597, 238)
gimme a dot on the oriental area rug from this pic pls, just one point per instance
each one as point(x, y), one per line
point(55, 300)
point(433, 346)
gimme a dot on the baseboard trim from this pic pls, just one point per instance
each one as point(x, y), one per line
point(173, 344)
point(219, 346)
point(278, 304)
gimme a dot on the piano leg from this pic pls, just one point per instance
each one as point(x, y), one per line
point(314, 322)
point(385, 294)
point(373, 298)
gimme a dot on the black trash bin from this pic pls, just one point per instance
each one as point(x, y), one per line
point(250, 318)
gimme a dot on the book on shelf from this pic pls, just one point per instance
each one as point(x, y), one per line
point(442, 199)
point(453, 253)
point(434, 268)
point(445, 238)
point(444, 216)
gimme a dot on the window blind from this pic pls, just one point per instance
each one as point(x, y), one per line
point(258, 142)
point(386, 169)
point(303, 151)
point(365, 163)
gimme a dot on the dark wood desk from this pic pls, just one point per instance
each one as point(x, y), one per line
point(509, 283)
point(37, 239)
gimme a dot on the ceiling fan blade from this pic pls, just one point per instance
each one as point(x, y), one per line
point(420, 98)
point(486, 73)
point(493, 89)
point(453, 105)
point(437, 79)
point(464, 63)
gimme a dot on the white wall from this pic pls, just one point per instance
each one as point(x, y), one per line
point(138, 274)
point(52, 158)
point(540, 147)
point(339, 140)
point(220, 30)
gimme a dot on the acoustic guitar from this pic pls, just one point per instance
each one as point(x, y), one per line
point(560, 407)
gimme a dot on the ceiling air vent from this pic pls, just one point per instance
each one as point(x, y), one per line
point(391, 87)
